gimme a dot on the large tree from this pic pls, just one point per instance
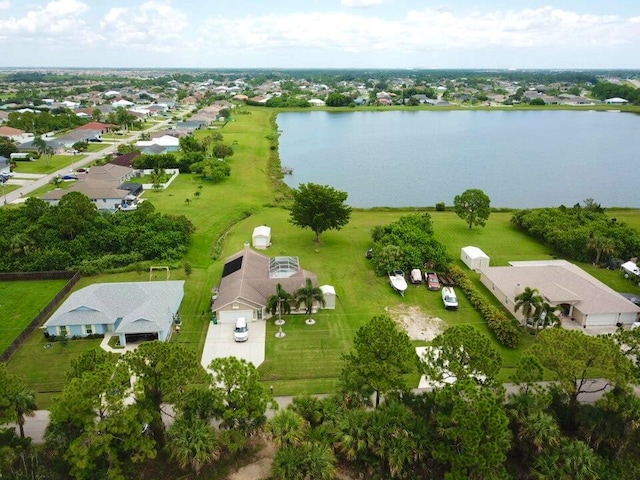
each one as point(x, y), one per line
point(574, 358)
point(461, 352)
point(320, 208)
point(162, 370)
point(473, 206)
point(381, 355)
point(244, 398)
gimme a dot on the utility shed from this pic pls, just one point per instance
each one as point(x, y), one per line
point(261, 237)
point(329, 295)
point(474, 258)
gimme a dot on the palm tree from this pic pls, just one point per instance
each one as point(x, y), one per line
point(601, 246)
point(156, 178)
point(307, 460)
point(23, 404)
point(546, 315)
point(287, 428)
point(307, 295)
point(279, 302)
point(529, 300)
point(193, 444)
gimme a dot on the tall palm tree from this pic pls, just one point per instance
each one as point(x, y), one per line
point(279, 302)
point(529, 300)
point(23, 404)
point(193, 444)
point(546, 315)
point(307, 295)
point(601, 246)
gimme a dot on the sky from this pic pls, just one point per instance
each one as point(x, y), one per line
point(553, 34)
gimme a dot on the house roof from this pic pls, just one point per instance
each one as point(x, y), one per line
point(99, 126)
point(246, 279)
point(92, 189)
point(108, 173)
point(10, 131)
point(125, 160)
point(136, 307)
point(262, 230)
point(560, 282)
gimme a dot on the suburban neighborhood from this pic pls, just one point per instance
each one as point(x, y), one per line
point(171, 307)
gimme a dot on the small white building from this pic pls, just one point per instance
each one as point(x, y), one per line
point(329, 295)
point(474, 258)
point(261, 238)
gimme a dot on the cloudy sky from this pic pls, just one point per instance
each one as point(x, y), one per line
point(321, 33)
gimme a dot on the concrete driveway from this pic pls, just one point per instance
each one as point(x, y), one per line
point(220, 343)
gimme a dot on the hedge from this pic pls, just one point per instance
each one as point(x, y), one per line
point(504, 328)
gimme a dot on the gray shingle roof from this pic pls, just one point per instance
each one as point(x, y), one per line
point(145, 307)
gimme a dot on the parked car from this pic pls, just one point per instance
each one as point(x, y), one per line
point(449, 298)
point(98, 140)
point(82, 170)
point(69, 177)
point(432, 281)
point(416, 276)
point(241, 330)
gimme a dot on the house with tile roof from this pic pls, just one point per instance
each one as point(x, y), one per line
point(583, 299)
point(250, 278)
point(128, 309)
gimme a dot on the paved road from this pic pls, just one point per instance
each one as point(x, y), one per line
point(41, 180)
point(35, 426)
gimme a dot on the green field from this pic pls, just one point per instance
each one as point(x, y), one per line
point(20, 302)
point(308, 359)
point(54, 164)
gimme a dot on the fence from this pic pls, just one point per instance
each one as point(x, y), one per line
point(46, 311)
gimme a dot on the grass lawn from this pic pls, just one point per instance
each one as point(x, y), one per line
point(40, 166)
point(97, 146)
point(38, 192)
point(20, 302)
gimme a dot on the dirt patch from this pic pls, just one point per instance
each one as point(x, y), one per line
point(417, 324)
point(260, 468)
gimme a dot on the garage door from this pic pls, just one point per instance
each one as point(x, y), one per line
point(230, 316)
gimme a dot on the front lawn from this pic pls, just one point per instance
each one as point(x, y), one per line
point(20, 302)
point(43, 166)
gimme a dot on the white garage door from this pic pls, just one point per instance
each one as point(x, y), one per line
point(230, 316)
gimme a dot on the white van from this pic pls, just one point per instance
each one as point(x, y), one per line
point(449, 298)
point(241, 331)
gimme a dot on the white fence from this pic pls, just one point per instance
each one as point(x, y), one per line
point(148, 171)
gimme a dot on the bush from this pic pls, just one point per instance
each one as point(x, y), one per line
point(440, 207)
point(505, 329)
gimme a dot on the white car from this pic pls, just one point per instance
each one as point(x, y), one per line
point(449, 298)
point(241, 330)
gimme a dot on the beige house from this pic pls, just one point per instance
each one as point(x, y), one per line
point(249, 279)
point(583, 299)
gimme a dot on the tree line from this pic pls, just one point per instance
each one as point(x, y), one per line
point(74, 235)
point(108, 421)
point(43, 122)
point(583, 233)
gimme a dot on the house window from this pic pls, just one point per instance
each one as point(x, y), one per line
point(259, 314)
point(104, 200)
point(62, 330)
point(88, 329)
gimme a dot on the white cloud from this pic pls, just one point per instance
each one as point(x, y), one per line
point(153, 26)
point(5, 4)
point(360, 3)
point(428, 29)
point(56, 21)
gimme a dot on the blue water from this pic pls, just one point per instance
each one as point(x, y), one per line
point(519, 158)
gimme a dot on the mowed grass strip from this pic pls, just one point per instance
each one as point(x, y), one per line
point(20, 302)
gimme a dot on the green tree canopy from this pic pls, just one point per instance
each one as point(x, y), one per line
point(381, 355)
point(320, 208)
point(473, 206)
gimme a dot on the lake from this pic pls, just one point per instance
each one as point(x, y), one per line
point(418, 158)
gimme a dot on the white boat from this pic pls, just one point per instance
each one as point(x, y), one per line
point(398, 282)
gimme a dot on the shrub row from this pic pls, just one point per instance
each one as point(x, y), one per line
point(504, 328)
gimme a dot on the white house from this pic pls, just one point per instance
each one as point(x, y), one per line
point(261, 237)
point(474, 258)
point(168, 142)
point(127, 309)
point(583, 299)
point(616, 101)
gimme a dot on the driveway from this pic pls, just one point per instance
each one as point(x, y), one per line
point(220, 343)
